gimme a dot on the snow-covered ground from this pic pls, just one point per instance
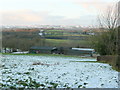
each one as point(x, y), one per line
point(59, 72)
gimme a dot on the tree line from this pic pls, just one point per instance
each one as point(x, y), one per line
point(21, 40)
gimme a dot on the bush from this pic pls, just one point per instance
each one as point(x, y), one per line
point(105, 42)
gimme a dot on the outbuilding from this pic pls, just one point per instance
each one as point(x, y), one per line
point(36, 49)
point(62, 50)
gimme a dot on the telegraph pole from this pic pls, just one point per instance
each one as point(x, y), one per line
point(118, 39)
point(118, 34)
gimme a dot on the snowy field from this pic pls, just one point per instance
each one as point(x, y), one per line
point(55, 72)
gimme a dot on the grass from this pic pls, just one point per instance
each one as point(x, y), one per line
point(54, 30)
point(90, 61)
point(113, 67)
point(57, 40)
point(57, 55)
point(66, 34)
point(70, 43)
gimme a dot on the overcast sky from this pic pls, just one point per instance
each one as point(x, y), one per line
point(52, 12)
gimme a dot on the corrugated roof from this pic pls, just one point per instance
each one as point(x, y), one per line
point(84, 49)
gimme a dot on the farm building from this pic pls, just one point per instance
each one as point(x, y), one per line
point(62, 50)
point(36, 49)
point(82, 51)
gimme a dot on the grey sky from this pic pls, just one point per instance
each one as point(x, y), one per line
point(52, 12)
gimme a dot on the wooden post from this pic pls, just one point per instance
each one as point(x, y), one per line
point(118, 28)
point(118, 35)
point(118, 45)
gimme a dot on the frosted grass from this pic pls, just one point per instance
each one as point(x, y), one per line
point(47, 69)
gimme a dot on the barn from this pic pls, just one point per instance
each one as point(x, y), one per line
point(62, 50)
point(37, 49)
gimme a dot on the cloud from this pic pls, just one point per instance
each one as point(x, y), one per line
point(28, 17)
point(22, 17)
point(94, 5)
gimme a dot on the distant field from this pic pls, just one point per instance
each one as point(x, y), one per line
point(63, 33)
point(57, 40)
point(70, 43)
point(54, 30)
point(26, 39)
point(69, 35)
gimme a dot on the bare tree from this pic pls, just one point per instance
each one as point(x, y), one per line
point(106, 42)
point(109, 19)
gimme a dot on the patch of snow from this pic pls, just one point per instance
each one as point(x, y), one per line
point(73, 74)
point(20, 52)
